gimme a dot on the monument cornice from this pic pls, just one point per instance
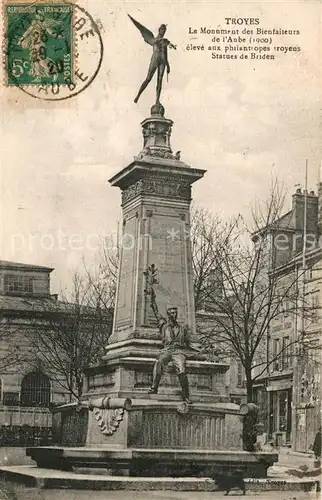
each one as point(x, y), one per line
point(140, 169)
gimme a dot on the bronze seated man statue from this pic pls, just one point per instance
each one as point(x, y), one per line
point(175, 341)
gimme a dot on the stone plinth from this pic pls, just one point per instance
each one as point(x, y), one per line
point(155, 424)
point(150, 438)
point(127, 372)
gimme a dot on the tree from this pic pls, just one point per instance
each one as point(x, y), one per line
point(241, 276)
point(102, 276)
point(71, 333)
point(206, 231)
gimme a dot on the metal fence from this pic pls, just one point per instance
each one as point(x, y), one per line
point(21, 426)
point(70, 426)
point(25, 436)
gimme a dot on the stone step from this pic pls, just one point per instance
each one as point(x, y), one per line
point(53, 479)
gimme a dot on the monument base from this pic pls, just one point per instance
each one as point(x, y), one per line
point(151, 462)
point(150, 438)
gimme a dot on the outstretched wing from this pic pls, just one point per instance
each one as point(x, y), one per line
point(147, 34)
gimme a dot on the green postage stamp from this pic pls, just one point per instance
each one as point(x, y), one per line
point(39, 43)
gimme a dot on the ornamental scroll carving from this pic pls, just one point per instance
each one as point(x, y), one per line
point(108, 420)
point(161, 187)
point(108, 412)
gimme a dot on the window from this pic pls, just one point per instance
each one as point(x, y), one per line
point(272, 412)
point(282, 400)
point(315, 301)
point(18, 283)
point(10, 398)
point(315, 307)
point(286, 355)
point(276, 351)
point(35, 390)
point(282, 306)
point(240, 375)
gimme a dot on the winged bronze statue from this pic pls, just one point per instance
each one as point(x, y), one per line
point(159, 60)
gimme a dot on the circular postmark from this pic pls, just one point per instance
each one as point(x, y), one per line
point(54, 51)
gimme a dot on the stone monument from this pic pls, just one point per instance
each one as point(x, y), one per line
point(124, 427)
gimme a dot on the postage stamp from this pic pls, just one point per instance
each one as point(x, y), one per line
point(39, 44)
point(53, 50)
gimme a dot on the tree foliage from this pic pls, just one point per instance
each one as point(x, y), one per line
point(71, 333)
point(241, 276)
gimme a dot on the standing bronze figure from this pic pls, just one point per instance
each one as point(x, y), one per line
point(159, 60)
point(175, 339)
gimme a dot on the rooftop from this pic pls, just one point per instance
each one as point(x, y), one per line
point(8, 265)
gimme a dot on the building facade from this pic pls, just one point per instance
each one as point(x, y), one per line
point(306, 393)
point(26, 390)
point(288, 391)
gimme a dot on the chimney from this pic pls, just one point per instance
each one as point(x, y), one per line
point(298, 210)
point(298, 200)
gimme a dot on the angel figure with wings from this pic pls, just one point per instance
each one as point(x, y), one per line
point(159, 59)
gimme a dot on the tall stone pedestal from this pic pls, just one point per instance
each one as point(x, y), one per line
point(155, 434)
point(156, 196)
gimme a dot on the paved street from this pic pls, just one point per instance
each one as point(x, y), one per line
point(285, 459)
point(21, 493)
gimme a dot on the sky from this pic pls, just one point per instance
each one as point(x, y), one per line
point(242, 121)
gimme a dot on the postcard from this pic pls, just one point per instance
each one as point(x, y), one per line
point(138, 138)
